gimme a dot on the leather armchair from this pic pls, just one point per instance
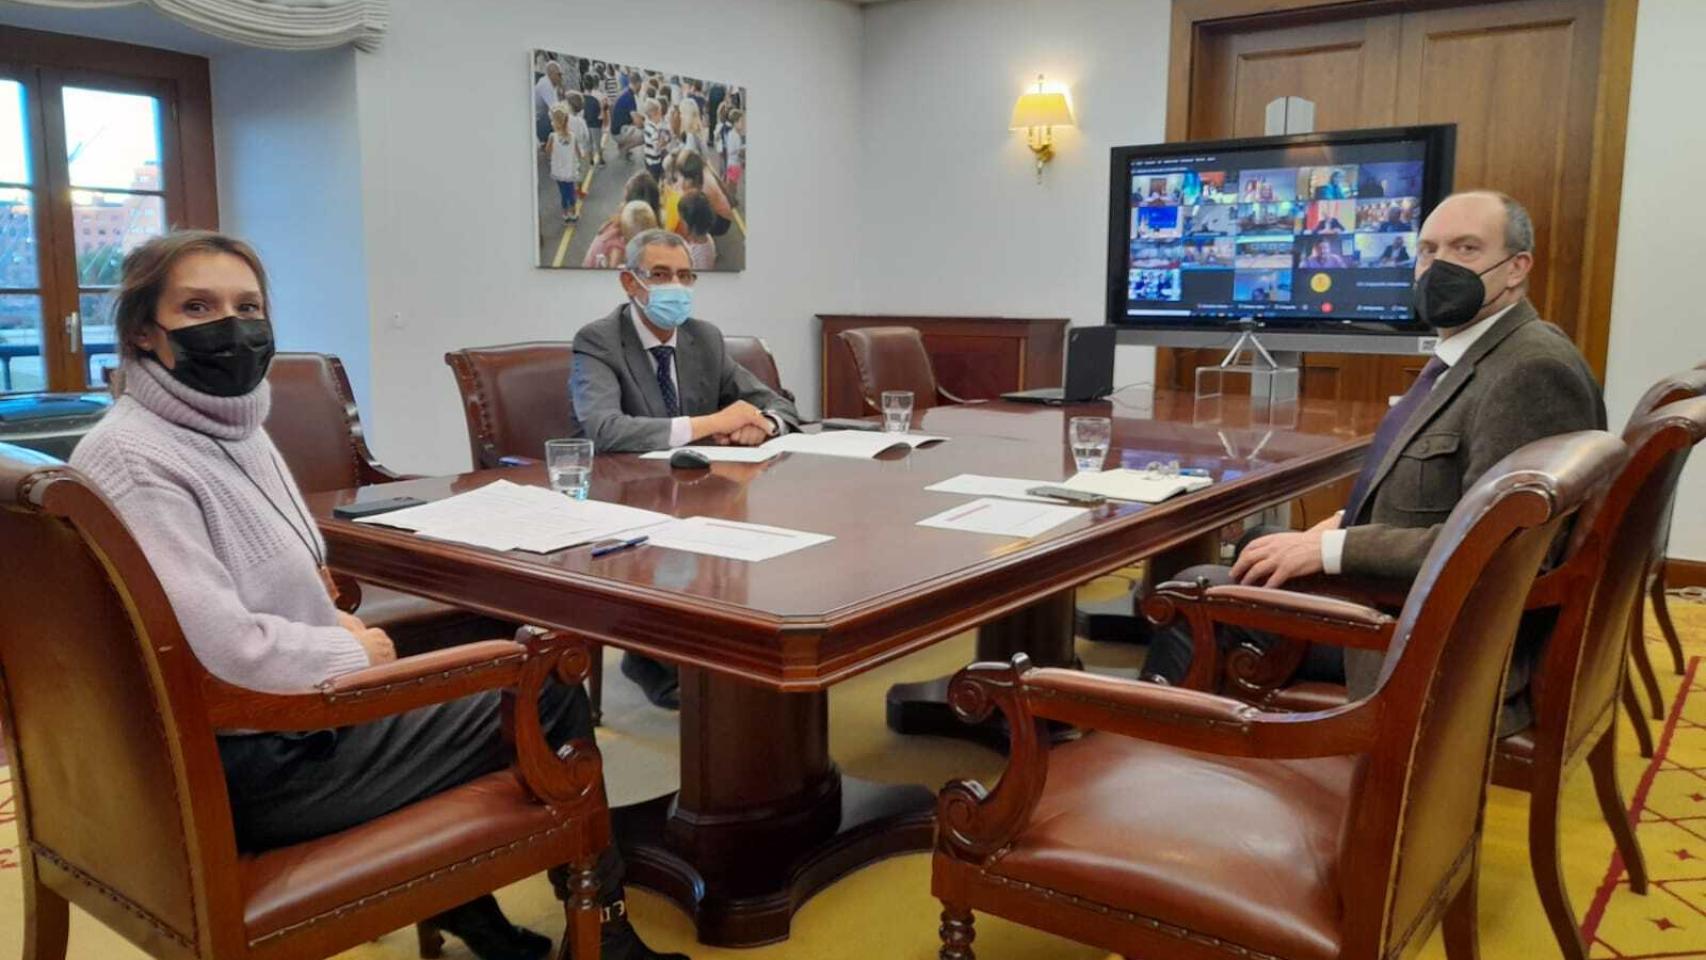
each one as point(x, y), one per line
point(316, 427)
point(1346, 832)
point(1594, 590)
point(894, 358)
point(753, 354)
point(110, 722)
point(516, 397)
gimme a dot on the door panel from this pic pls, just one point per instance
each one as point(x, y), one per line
point(1518, 80)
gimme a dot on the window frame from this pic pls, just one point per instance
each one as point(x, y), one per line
point(46, 63)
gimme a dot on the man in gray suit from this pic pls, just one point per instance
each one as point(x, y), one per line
point(650, 377)
point(1500, 378)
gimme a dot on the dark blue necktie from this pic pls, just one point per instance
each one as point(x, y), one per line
point(1390, 426)
point(666, 383)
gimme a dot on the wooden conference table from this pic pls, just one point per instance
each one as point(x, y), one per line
point(763, 818)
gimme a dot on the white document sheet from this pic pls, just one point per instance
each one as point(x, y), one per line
point(1134, 485)
point(732, 539)
point(1008, 518)
point(717, 454)
point(1008, 488)
point(509, 516)
point(857, 444)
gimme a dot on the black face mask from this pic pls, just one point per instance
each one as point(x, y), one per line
point(1449, 295)
point(224, 358)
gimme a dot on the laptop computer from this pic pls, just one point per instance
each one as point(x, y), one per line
point(1089, 369)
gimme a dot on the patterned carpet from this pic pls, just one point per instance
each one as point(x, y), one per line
point(886, 912)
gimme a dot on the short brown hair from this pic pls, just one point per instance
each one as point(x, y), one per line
point(147, 267)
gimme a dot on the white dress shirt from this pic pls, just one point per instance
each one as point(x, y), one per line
point(1449, 350)
point(680, 428)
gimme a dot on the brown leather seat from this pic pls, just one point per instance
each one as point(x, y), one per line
point(515, 397)
point(1188, 824)
point(1121, 816)
point(294, 885)
point(316, 427)
point(111, 725)
point(894, 358)
point(753, 354)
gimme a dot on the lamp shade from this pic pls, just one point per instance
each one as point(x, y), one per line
point(1042, 109)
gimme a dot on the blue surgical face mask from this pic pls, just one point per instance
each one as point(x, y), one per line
point(668, 305)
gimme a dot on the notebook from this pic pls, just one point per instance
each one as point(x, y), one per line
point(1134, 485)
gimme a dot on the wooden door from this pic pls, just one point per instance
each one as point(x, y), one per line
point(1533, 86)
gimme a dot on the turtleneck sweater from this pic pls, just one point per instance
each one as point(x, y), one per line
point(214, 508)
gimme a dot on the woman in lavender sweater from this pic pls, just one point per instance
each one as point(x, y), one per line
point(184, 459)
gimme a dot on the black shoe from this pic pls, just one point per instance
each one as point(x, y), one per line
point(660, 682)
point(482, 925)
point(619, 941)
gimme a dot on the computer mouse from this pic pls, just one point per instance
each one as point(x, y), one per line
point(685, 459)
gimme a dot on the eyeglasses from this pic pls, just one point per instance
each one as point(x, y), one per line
point(664, 275)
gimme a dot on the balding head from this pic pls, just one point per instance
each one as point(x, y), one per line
point(1485, 231)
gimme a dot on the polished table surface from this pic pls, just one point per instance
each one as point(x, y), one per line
point(883, 586)
point(764, 818)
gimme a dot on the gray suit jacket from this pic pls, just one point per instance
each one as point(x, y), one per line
point(614, 386)
point(1522, 380)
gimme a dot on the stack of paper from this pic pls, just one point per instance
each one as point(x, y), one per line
point(1008, 518)
point(858, 444)
point(508, 516)
point(1134, 485)
point(1009, 488)
point(732, 539)
point(717, 454)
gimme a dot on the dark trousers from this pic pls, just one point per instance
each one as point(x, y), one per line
point(292, 787)
point(1171, 649)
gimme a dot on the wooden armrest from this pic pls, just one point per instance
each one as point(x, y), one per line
point(1192, 719)
point(438, 666)
point(1285, 612)
point(1388, 595)
point(363, 696)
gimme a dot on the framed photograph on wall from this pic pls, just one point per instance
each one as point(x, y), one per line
point(620, 148)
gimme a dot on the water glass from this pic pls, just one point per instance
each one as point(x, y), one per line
point(897, 411)
point(1090, 437)
point(569, 462)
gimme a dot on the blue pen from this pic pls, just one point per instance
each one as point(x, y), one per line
point(613, 547)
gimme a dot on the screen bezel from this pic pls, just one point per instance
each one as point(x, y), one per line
point(1440, 148)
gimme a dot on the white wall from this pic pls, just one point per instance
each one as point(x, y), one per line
point(445, 133)
point(289, 154)
point(953, 220)
point(1658, 325)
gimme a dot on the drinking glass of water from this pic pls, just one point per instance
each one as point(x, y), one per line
point(897, 411)
point(569, 463)
point(1090, 437)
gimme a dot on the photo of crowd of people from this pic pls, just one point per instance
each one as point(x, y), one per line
point(1266, 224)
point(619, 149)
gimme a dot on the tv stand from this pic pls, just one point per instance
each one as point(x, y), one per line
point(1273, 380)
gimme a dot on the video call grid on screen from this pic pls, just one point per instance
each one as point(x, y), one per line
point(1317, 232)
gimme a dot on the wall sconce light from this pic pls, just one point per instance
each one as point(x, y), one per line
point(1037, 113)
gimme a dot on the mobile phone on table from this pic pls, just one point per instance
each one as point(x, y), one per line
point(845, 423)
point(1068, 494)
point(373, 508)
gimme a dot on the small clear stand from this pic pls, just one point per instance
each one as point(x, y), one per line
point(1272, 385)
